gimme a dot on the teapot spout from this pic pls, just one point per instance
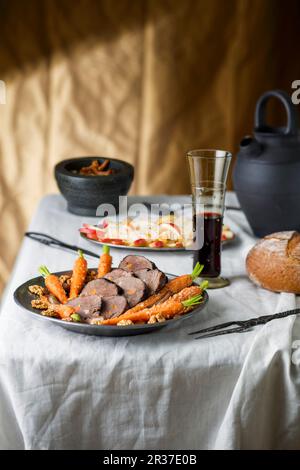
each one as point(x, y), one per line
point(250, 146)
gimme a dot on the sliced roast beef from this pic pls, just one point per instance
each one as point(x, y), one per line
point(116, 274)
point(135, 290)
point(134, 263)
point(153, 278)
point(88, 306)
point(102, 287)
point(113, 306)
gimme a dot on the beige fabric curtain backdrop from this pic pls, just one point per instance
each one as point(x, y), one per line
point(141, 80)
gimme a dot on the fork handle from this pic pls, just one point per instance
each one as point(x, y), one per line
point(46, 239)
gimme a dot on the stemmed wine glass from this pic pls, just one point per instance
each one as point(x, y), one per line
point(208, 175)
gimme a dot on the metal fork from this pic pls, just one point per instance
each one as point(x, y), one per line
point(241, 325)
point(47, 240)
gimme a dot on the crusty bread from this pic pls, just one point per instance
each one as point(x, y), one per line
point(274, 262)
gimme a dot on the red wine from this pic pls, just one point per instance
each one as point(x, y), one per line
point(210, 226)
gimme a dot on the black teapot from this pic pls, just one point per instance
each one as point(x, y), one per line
point(266, 176)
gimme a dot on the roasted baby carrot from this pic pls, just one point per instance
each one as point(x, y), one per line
point(78, 275)
point(175, 305)
point(104, 262)
point(64, 311)
point(185, 294)
point(172, 287)
point(180, 282)
point(53, 284)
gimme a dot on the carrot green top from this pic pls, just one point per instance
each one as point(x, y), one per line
point(44, 271)
point(204, 284)
point(105, 249)
point(193, 301)
point(197, 270)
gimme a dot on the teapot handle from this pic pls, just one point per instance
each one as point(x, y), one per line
point(260, 111)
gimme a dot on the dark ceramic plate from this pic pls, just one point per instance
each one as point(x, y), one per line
point(23, 298)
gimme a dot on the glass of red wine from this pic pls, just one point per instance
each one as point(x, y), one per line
point(208, 174)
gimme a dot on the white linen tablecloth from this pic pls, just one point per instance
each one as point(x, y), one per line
point(62, 390)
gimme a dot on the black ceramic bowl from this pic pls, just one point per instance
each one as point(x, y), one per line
point(85, 193)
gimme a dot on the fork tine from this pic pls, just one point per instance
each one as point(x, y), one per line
point(239, 329)
point(216, 327)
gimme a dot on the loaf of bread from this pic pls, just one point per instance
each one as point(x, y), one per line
point(274, 262)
